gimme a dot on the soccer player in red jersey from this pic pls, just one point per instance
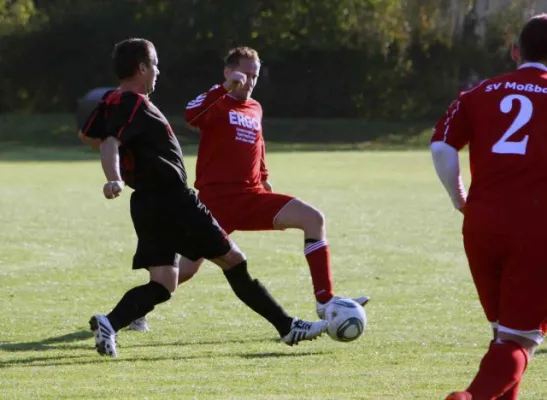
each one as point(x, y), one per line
point(502, 121)
point(232, 177)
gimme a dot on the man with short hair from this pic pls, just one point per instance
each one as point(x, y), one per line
point(167, 216)
point(502, 119)
point(233, 180)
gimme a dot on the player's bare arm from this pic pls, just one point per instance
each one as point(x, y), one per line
point(110, 161)
point(447, 165)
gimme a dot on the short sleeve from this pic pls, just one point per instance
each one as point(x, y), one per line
point(125, 122)
point(95, 124)
point(454, 128)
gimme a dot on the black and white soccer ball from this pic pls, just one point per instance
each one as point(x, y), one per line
point(347, 320)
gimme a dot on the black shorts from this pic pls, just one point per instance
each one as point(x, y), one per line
point(171, 223)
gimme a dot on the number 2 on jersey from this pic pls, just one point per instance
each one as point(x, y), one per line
point(504, 146)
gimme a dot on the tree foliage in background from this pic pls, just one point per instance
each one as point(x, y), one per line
point(373, 59)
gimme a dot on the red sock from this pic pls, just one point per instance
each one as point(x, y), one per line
point(500, 370)
point(318, 256)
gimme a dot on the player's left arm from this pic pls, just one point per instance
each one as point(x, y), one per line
point(450, 135)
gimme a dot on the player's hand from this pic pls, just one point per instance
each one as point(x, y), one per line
point(267, 186)
point(235, 80)
point(112, 189)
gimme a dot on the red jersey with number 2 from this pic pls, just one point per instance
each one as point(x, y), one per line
point(504, 122)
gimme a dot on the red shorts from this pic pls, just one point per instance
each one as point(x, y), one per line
point(252, 211)
point(511, 279)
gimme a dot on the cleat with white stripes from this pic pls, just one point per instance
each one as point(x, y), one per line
point(304, 330)
point(140, 324)
point(105, 336)
point(322, 307)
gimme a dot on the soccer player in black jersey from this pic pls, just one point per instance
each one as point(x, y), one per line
point(138, 149)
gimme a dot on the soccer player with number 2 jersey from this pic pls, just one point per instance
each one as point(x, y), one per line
point(503, 121)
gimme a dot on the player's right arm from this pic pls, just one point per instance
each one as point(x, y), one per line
point(450, 135)
point(124, 127)
point(197, 110)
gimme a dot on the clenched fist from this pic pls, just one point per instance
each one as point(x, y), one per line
point(235, 80)
point(112, 189)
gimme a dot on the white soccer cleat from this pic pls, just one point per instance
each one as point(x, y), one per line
point(322, 307)
point(140, 324)
point(304, 330)
point(105, 336)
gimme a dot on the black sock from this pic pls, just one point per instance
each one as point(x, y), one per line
point(310, 241)
point(136, 303)
point(257, 298)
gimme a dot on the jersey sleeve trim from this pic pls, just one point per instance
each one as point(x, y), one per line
point(131, 116)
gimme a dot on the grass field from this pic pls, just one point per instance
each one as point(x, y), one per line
point(65, 254)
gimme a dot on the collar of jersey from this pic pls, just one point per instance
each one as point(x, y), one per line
point(232, 98)
point(534, 65)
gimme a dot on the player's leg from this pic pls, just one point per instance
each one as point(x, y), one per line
point(300, 215)
point(484, 255)
point(155, 252)
point(136, 302)
point(188, 268)
point(251, 292)
point(522, 320)
point(213, 243)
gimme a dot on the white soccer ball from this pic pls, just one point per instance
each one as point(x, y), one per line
point(347, 320)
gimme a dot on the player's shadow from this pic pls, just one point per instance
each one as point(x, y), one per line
point(540, 352)
point(93, 358)
point(48, 344)
point(180, 343)
point(280, 354)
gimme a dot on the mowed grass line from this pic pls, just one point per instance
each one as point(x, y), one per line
point(66, 254)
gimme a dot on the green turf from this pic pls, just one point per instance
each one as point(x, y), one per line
point(65, 254)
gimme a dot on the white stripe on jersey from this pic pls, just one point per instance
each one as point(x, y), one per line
point(197, 101)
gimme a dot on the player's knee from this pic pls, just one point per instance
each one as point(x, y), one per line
point(166, 276)
point(235, 256)
point(314, 217)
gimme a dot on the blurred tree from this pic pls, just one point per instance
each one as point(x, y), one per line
point(332, 58)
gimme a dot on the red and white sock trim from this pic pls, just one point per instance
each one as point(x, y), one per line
point(311, 247)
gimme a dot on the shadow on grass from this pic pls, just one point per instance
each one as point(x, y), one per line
point(93, 358)
point(279, 354)
point(50, 343)
point(84, 359)
point(47, 344)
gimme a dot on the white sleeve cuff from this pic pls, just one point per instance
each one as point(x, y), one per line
point(447, 165)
